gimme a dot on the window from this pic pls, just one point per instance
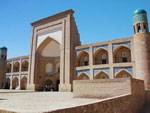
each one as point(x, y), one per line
point(139, 27)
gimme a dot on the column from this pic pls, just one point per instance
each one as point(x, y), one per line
point(110, 55)
point(91, 62)
point(12, 66)
point(20, 66)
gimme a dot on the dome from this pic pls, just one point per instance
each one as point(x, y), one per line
point(139, 11)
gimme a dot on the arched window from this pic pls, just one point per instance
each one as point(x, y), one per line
point(83, 76)
point(83, 59)
point(101, 57)
point(16, 67)
point(101, 75)
point(122, 55)
point(123, 74)
point(24, 66)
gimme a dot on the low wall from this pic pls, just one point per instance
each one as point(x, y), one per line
point(101, 88)
point(125, 104)
point(130, 103)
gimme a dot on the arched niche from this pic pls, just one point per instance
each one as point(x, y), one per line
point(23, 83)
point(101, 57)
point(83, 76)
point(16, 66)
point(101, 75)
point(24, 66)
point(122, 54)
point(123, 74)
point(15, 83)
point(83, 59)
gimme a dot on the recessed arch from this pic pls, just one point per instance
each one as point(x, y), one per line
point(101, 56)
point(7, 83)
point(15, 83)
point(123, 74)
point(23, 83)
point(122, 54)
point(47, 55)
point(101, 75)
point(16, 66)
point(83, 59)
point(24, 66)
point(49, 46)
point(8, 68)
point(83, 76)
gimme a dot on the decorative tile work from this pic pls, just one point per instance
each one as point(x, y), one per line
point(98, 70)
point(129, 69)
point(86, 71)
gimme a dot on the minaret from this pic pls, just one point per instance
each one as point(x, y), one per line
point(141, 45)
point(3, 59)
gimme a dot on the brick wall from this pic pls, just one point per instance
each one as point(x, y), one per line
point(130, 103)
point(101, 88)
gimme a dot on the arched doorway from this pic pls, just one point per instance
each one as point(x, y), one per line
point(7, 83)
point(15, 83)
point(48, 85)
point(123, 74)
point(47, 56)
point(83, 59)
point(101, 75)
point(122, 54)
point(83, 76)
point(23, 83)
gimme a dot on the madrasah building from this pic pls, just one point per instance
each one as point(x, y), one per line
point(57, 56)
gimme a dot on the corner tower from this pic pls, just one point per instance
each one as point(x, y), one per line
point(3, 56)
point(141, 46)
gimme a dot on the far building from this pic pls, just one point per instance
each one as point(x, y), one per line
point(57, 56)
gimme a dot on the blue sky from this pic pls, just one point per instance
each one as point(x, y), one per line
point(97, 20)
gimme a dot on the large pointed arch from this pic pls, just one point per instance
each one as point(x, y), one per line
point(47, 54)
point(122, 54)
point(45, 43)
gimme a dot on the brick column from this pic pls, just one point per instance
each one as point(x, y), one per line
point(91, 62)
point(20, 66)
point(12, 66)
point(110, 55)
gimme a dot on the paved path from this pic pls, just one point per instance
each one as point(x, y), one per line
point(36, 102)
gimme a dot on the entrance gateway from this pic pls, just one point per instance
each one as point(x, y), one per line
point(53, 45)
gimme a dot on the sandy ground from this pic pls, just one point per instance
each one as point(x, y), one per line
point(37, 102)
